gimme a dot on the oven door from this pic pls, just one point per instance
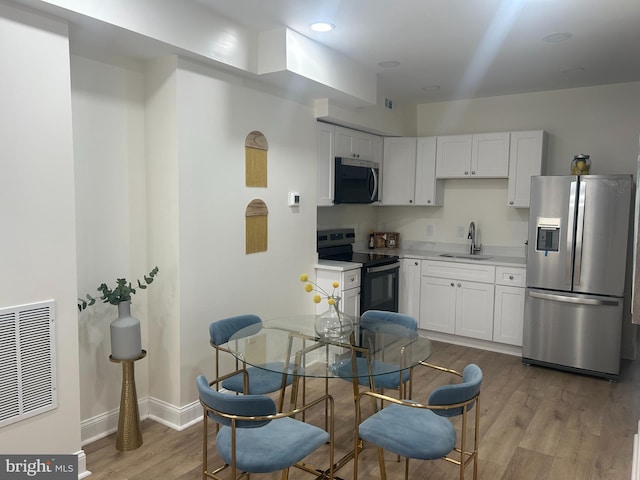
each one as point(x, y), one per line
point(379, 287)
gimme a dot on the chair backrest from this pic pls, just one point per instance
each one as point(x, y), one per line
point(372, 317)
point(458, 392)
point(221, 331)
point(243, 405)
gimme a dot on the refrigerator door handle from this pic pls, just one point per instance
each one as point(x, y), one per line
point(570, 231)
point(582, 301)
point(579, 233)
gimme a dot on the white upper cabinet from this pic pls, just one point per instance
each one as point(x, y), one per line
point(526, 159)
point(409, 172)
point(429, 190)
point(399, 171)
point(473, 156)
point(353, 144)
point(325, 163)
point(453, 156)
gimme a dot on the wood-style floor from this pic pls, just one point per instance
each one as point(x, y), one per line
point(536, 423)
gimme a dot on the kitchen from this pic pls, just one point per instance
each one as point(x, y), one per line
point(601, 120)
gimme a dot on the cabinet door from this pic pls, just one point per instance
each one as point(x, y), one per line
point(353, 144)
point(509, 315)
point(526, 159)
point(343, 142)
point(453, 156)
point(490, 155)
point(409, 288)
point(474, 309)
point(350, 303)
point(399, 171)
point(325, 163)
point(362, 145)
point(438, 304)
point(428, 191)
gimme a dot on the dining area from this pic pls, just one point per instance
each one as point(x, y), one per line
point(334, 404)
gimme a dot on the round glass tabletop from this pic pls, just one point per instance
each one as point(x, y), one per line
point(290, 344)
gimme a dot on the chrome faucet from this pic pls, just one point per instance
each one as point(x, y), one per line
point(472, 236)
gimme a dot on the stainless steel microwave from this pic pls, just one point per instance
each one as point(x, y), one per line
point(356, 181)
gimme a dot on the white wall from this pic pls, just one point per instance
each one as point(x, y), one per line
point(183, 209)
point(37, 210)
point(108, 125)
point(217, 278)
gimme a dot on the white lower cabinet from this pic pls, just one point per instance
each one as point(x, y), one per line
point(457, 298)
point(348, 289)
point(509, 305)
point(409, 288)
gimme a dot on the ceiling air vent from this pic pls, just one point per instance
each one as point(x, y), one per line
point(27, 361)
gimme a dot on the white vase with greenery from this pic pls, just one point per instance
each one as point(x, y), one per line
point(126, 339)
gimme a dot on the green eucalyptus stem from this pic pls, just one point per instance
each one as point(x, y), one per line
point(122, 292)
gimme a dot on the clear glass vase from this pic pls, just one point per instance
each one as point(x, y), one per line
point(334, 324)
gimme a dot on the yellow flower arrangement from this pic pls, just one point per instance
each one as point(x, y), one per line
point(333, 324)
point(320, 292)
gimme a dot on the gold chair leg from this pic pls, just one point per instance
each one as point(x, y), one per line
point(383, 470)
point(204, 447)
point(285, 474)
point(406, 468)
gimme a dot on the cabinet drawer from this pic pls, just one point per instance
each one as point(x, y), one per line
point(350, 279)
point(459, 271)
point(512, 276)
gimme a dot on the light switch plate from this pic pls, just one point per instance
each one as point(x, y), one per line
point(294, 199)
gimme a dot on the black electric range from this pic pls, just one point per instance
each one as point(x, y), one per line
point(337, 244)
point(379, 280)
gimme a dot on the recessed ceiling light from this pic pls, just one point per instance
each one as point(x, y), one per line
point(431, 88)
point(557, 37)
point(322, 26)
point(389, 64)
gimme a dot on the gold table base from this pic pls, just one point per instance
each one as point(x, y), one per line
point(129, 429)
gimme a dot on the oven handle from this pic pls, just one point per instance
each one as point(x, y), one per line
point(383, 268)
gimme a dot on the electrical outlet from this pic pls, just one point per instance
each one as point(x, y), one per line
point(430, 231)
point(460, 231)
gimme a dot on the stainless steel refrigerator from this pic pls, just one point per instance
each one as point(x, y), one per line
point(576, 262)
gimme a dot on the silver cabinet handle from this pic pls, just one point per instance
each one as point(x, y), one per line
point(466, 172)
point(473, 172)
point(452, 284)
point(459, 284)
point(510, 277)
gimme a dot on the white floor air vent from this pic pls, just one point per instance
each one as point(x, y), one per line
point(27, 361)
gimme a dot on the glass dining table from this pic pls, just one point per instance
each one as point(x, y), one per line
point(290, 345)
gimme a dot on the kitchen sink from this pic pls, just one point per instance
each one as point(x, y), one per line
point(466, 256)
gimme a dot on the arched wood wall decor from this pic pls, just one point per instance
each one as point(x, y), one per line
point(256, 226)
point(255, 150)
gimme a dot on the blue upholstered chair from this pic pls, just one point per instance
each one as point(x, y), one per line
point(260, 381)
point(254, 438)
point(423, 431)
point(381, 321)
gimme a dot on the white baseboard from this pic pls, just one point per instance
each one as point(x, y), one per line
point(174, 417)
point(474, 343)
point(82, 465)
point(177, 418)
